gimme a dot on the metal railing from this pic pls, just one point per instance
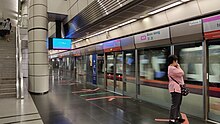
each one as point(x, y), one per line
point(19, 73)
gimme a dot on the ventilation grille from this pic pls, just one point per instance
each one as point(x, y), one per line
point(95, 11)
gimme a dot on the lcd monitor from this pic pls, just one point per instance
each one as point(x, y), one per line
point(59, 44)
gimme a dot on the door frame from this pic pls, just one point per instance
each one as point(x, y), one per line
point(205, 79)
point(114, 70)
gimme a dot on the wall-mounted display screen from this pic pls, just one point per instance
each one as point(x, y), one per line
point(59, 44)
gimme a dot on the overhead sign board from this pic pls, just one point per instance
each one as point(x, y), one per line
point(212, 27)
point(127, 43)
point(154, 35)
point(114, 45)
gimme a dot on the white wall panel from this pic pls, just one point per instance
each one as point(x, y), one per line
point(59, 7)
point(94, 39)
point(73, 2)
point(90, 1)
point(125, 30)
point(149, 22)
point(155, 21)
point(68, 17)
point(88, 42)
point(52, 28)
point(113, 34)
point(137, 26)
point(184, 11)
point(82, 4)
point(51, 24)
point(102, 37)
point(207, 6)
point(74, 10)
point(76, 6)
point(73, 46)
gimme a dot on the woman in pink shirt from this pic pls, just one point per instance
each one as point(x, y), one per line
point(175, 73)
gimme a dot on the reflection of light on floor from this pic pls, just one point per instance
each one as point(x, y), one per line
point(86, 90)
point(110, 98)
point(166, 119)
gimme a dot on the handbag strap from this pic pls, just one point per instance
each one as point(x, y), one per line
point(175, 80)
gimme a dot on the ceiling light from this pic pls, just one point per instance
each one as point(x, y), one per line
point(185, 0)
point(125, 23)
point(78, 40)
point(112, 28)
point(96, 34)
point(143, 16)
point(165, 7)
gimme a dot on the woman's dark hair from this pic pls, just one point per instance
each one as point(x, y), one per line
point(172, 58)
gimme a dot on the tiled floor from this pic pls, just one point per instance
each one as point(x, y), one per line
point(61, 106)
point(14, 111)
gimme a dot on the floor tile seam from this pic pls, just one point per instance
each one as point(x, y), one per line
point(131, 112)
point(107, 112)
point(30, 96)
point(142, 115)
point(92, 117)
point(28, 120)
point(104, 110)
point(154, 111)
point(123, 108)
point(21, 119)
point(18, 115)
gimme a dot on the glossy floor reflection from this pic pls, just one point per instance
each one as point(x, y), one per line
point(19, 111)
point(61, 106)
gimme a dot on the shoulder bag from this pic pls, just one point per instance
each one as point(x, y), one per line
point(184, 90)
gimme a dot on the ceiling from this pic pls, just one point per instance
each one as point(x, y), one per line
point(132, 10)
point(9, 9)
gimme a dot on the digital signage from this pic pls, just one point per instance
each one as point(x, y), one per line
point(59, 44)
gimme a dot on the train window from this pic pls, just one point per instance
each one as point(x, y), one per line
point(191, 68)
point(214, 79)
point(153, 65)
point(190, 60)
point(153, 74)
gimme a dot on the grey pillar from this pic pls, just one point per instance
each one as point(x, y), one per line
point(38, 55)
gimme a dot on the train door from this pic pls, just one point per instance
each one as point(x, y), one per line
point(100, 70)
point(89, 69)
point(129, 73)
point(214, 80)
point(68, 67)
point(78, 68)
point(73, 68)
point(110, 69)
point(118, 72)
point(114, 72)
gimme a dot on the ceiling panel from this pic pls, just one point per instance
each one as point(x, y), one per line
point(134, 9)
point(154, 3)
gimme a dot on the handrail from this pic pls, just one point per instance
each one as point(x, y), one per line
point(19, 74)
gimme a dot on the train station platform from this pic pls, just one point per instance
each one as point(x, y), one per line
point(69, 102)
